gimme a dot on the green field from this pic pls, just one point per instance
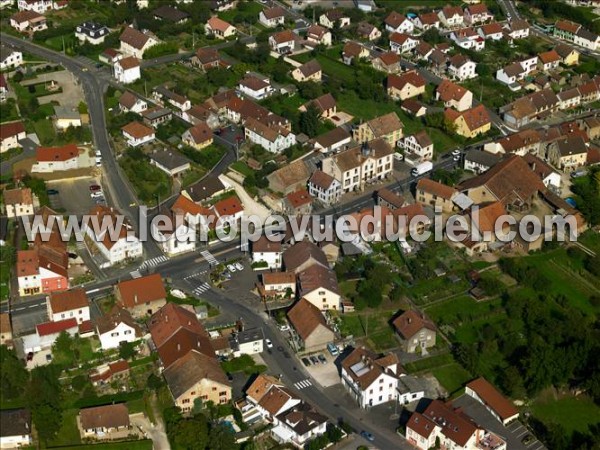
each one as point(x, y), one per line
point(573, 413)
point(452, 377)
point(146, 444)
point(68, 433)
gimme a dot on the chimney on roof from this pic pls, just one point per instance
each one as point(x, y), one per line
point(178, 347)
point(135, 298)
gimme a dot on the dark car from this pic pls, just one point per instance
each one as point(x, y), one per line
point(314, 360)
point(528, 439)
point(322, 358)
point(52, 191)
point(29, 356)
point(306, 362)
point(95, 187)
point(229, 376)
point(368, 436)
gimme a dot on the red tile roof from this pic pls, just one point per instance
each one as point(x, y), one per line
point(11, 129)
point(44, 329)
point(410, 323)
point(493, 399)
point(228, 207)
point(141, 290)
point(299, 198)
point(50, 154)
point(68, 300)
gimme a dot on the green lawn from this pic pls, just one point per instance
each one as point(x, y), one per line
point(452, 377)
point(242, 167)
point(9, 110)
point(460, 309)
point(429, 363)
point(573, 413)
point(68, 433)
point(45, 131)
point(249, 10)
point(590, 239)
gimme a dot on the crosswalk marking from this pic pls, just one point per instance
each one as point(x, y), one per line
point(195, 275)
point(201, 289)
point(303, 384)
point(209, 257)
point(154, 261)
point(135, 274)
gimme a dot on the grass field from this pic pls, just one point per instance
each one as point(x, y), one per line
point(573, 413)
point(452, 377)
point(460, 309)
point(68, 433)
point(429, 363)
point(374, 326)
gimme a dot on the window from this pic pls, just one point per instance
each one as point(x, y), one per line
point(114, 334)
point(223, 393)
point(185, 400)
point(214, 388)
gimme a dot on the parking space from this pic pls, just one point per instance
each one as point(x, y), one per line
point(72, 195)
point(517, 436)
point(322, 368)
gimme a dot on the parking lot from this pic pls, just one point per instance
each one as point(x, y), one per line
point(514, 433)
point(73, 195)
point(325, 373)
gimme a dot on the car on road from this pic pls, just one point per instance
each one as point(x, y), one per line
point(231, 267)
point(306, 362)
point(95, 187)
point(52, 192)
point(322, 358)
point(456, 152)
point(528, 439)
point(314, 359)
point(269, 343)
point(368, 436)
point(239, 266)
point(284, 327)
point(96, 194)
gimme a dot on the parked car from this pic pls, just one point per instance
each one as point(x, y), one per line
point(306, 362)
point(52, 191)
point(231, 267)
point(528, 439)
point(269, 343)
point(368, 436)
point(456, 152)
point(322, 358)
point(284, 327)
point(333, 349)
point(239, 266)
point(314, 359)
point(95, 187)
point(96, 194)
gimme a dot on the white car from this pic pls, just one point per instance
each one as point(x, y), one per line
point(284, 328)
point(231, 268)
point(269, 343)
point(239, 266)
point(456, 152)
point(97, 194)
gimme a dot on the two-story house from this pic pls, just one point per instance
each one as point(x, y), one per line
point(219, 28)
point(116, 327)
point(402, 43)
point(398, 23)
point(266, 254)
point(141, 296)
point(10, 135)
point(324, 188)
point(318, 285)
point(274, 138)
point(461, 68)
point(136, 133)
point(470, 123)
point(387, 127)
point(91, 32)
point(272, 17)
point(451, 17)
point(415, 331)
point(407, 85)
point(127, 70)
point(310, 326)
point(18, 202)
point(318, 35)
point(69, 304)
point(135, 43)
point(370, 379)
point(454, 95)
point(419, 145)
point(568, 154)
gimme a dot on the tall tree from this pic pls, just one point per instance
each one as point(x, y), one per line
point(13, 375)
point(309, 121)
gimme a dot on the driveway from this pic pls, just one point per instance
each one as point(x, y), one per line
point(151, 431)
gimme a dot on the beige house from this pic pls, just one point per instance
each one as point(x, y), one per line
point(387, 127)
point(199, 136)
point(197, 376)
point(319, 286)
point(568, 153)
point(360, 165)
point(318, 35)
point(407, 85)
point(310, 325)
point(19, 202)
point(141, 296)
point(415, 331)
point(454, 96)
point(470, 123)
point(434, 194)
point(99, 422)
point(310, 71)
point(219, 28)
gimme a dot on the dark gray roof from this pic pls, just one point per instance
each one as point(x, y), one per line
point(3, 228)
point(205, 188)
point(15, 422)
point(5, 52)
point(169, 159)
point(586, 34)
point(169, 13)
point(92, 29)
point(480, 157)
point(302, 418)
point(155, 113)
point(407, 384)
point(250, 335)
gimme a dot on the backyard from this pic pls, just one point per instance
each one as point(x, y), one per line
point(574, 414)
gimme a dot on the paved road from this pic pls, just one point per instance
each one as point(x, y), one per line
point(94, 87)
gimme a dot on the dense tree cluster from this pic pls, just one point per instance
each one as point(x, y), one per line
point(200, 432)
point(587, 191)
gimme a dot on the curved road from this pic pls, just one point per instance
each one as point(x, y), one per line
point(119, 190)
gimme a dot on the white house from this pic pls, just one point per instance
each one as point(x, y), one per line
point(518, 29)
point(462, 68)
point(548, 60)
point(255, 88)
point(28, 21)
point(398, 23)
point(10, 59)
point(274, 138)
point(410, 389)
point(332, 17)
point(39, 6)
point(491, 31)
point(16, 428)
point(478, 13)
point(10, 135)
point(451, 17)
point(298, 425)
point(402, 43)
point(587, 39)
point(115, 243)
point(91, 32)
point(219, 28)
point(426, 21)
point(324, 188)
point(247, 342)
point(265, 251)
point(72, 304)
point(369, 379)
point(272, 17)
point(468, 38)
point(52, 159)
point(283, 42)
point(137, 133)
point(176, 236)
point(569, 98)
point(419, 144)
point(116, 327)
point(129, 102)
point(127, 70)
